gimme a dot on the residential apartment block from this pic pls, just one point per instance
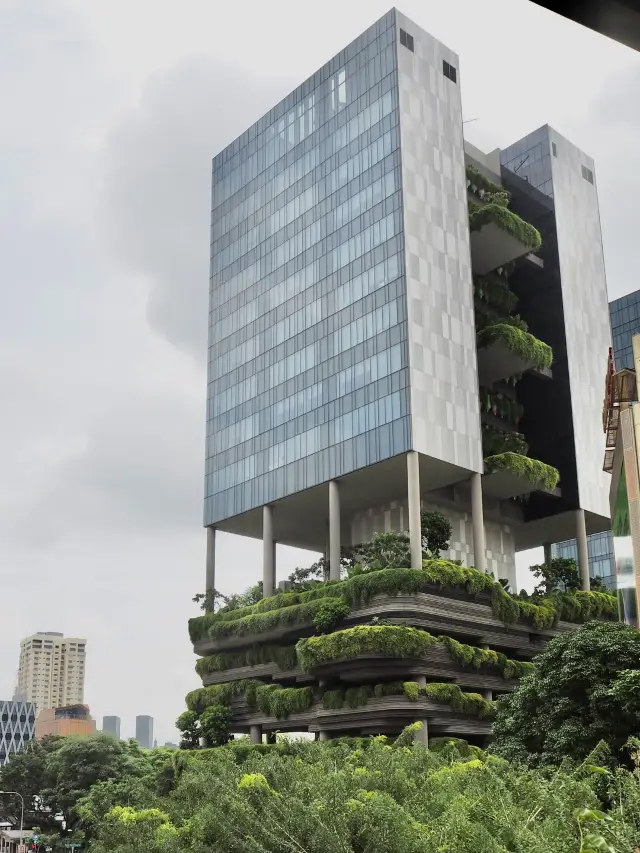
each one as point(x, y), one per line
point(51, 671)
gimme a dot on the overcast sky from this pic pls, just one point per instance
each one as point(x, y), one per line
point(112, 110)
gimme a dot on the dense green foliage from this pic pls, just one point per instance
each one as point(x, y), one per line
point(479, 184)
point(400, 641)
point(464, 703)
point(59, 771)
point(283, 656)
point(498, 441)
point(271, 699)
point(521, 343)
point(397, 641)
point(561, 574)
point(496, 213)
point(364, 797)
point(495, 293)
point(537, 473)
point(296, 608)
point(584, 689)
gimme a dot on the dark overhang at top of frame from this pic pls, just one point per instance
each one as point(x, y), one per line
point(617, 19)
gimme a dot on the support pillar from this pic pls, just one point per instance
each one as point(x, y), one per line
point(256, 734)
point(423, 735)
point(334, 531)
point(210, 583)
point(583, 551)
point(477, 517)
point(547, 553)
point(422, 681)
point(413, 493)
point(323, 736)
point(487, 695)
point(268, 553)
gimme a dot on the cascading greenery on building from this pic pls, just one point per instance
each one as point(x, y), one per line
point(496, 322)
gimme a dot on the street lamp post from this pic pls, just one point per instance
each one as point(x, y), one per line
point(16, 794)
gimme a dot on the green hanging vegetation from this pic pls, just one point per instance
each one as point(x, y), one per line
point(283, 656)
point(271, 699)
point(495, 293)
point(498, 441)
point(519, 342)
point(464, 703)
point(487, 317)
point(398, 641)
point(497, 214)
point(537, 473)
point(479, 184)
point(441, 574)
point(500, 405)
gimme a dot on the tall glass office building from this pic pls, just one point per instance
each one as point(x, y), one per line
point(351, 380)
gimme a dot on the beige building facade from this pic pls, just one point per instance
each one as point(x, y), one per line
point(51, 672)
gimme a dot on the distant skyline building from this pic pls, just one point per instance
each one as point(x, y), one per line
point(111, 726)
point(17, 727)
point(51, 670)
point(144, 731)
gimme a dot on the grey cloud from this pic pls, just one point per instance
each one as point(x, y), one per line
point(157, 199)
point(141, 471)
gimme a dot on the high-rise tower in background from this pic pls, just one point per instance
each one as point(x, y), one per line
point(111, 725)
point(144, 731)
point(378, 332)
point(52, 670)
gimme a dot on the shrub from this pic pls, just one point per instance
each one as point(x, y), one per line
point(484, 214)
point(478, 183)
point(215, 724)
point(473, 657)
point(283, 656)
point(444, 574)
point(464, 703)
point(329, 613)
point(537, 473)
point(411, 690)
point(521, 343)
point(392, 640)
point(578, 695)
point(281, 702)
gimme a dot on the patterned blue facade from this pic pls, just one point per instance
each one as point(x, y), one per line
point(307, 332)
point(17, 727)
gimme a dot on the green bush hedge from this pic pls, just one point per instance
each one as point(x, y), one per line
point(537, 473)
point(397, 641)
point(484, 214)
point(495, 293)
point(400, 641)
point(283, 656)
point(360, 589)
point(464, 703)
point(271, 699)
point(520, 343)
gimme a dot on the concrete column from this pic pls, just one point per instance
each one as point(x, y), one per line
point(477, 517)
point(488, 695)
point(334, 531)
point(413, 493)
point(422, 681)
point(323, 736)
point(256, 734)
point(210, 583)
point(268, 553)
point(583, 551)
point(423, 735)
point(547, 553)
